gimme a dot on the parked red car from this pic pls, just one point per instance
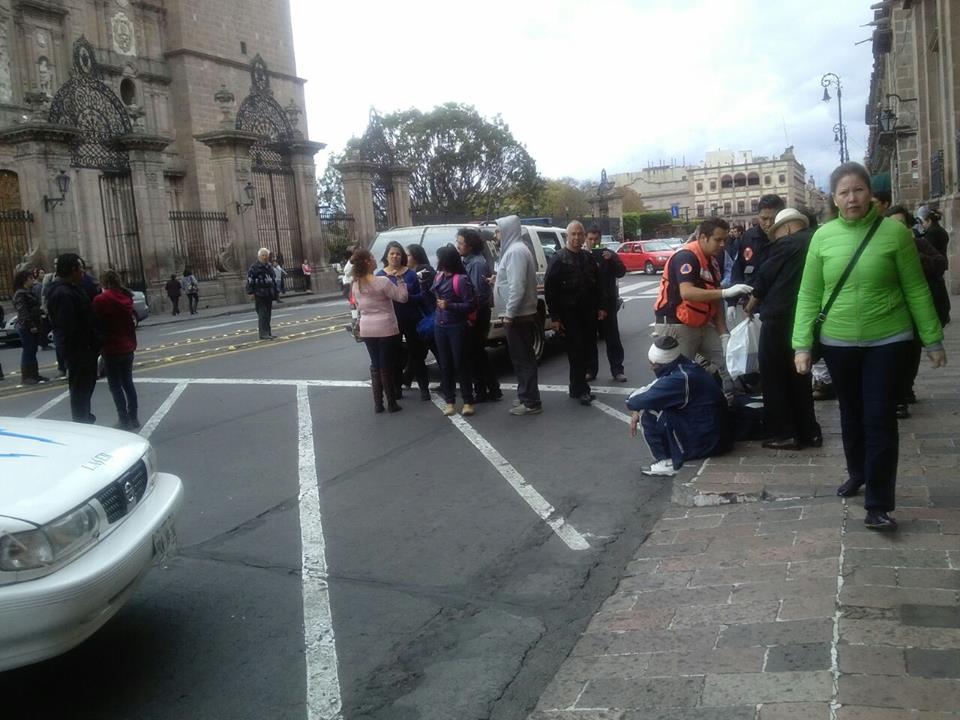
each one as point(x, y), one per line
point(647, 255)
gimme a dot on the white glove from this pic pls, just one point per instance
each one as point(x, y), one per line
point(735, 290)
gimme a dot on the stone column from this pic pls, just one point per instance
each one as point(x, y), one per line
point(400, 183)
point(302, 152)
point(358, 179)
point(42, 150)
point(153, 222)
point(230, 158)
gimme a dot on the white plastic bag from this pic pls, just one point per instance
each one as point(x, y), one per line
point(743, 348)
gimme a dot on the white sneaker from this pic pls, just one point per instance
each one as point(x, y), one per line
point(661, 468)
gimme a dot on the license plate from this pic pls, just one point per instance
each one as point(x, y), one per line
point(164, 541)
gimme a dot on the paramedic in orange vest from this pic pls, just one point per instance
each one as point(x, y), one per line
point(688, 307)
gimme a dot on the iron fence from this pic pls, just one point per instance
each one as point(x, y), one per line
point(14, 244)
point(199, 236)
point(338, 233)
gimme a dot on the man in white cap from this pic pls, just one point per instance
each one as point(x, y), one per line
point(683, 413)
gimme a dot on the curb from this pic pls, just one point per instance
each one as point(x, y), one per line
point(301, 299)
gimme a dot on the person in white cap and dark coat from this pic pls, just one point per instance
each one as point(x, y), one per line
point(683, 413)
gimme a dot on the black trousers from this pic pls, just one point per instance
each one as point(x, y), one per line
point(383, 351)
point(414, 359)
point(485, 382)
point(580, 333)
point(521, 334)
point(194, 300)
point(175, 299)
point(264, 306)
point(610, 332)
point(863, 378)
point(81, 380)
point(120, 382)
point(914, 355)
point(788, 410)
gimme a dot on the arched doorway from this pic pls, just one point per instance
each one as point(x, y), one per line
point(275, 204)
point(87, 103)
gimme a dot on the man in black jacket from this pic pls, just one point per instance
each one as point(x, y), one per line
point(611, 269)
point(71, 315)
point(752, 247)
point(262, 284)
point(576, 301)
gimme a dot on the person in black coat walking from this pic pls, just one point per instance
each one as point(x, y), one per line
point(174, 290)
point(71, 314)
point(611, 269)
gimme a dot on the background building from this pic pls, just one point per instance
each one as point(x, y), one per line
point(659, 186)
point(914, 107)
point(153, 136)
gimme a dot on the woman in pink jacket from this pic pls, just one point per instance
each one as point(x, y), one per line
point(374, 296)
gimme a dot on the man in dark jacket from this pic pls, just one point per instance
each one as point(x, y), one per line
point(753, 244)
point(576, 301)
point(683, 413)
point(71, 315)
point(261, 283)
point(611, 269)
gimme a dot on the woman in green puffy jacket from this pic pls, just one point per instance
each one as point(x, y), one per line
point(866, 336)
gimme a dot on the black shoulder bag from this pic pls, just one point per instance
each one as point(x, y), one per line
point(815, 351)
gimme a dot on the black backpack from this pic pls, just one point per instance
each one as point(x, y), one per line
point(746, 416)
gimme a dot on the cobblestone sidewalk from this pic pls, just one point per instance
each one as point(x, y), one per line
point(761, 596)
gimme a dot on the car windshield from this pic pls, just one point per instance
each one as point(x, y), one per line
point(404, 236)
point(655, 246)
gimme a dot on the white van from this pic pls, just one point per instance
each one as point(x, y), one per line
point(543, 243)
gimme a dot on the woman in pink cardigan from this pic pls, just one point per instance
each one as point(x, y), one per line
point(379, 331)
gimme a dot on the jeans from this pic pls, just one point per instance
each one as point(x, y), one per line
point(580, 338)
point(521, 334)
point(120, 382)
point(264, 306)
point(610, 332)
point(81, 380)
point(454, 362)
point(383, 351)
point(787, 395)
point(485, 382)
point(28, 348)
point(865, 380)
point(194, 300)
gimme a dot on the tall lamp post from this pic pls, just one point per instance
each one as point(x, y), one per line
point(839, 130)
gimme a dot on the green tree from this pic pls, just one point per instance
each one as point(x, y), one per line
point(645, 224)
point(562, 199)
point(461, 162)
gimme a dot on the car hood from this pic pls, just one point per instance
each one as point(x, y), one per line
point(49, 467)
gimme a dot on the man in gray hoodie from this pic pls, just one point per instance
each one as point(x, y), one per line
point(516, 293)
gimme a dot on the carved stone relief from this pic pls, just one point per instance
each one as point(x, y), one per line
point(6, 86)
point(124, 39)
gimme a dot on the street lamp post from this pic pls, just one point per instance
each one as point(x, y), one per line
point(839, 130)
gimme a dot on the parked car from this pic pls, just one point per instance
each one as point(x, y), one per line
point(542, 240)
point(84, 514)
point(8, 329)
point(650, 256)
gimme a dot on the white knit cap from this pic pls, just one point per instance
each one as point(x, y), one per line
point(663, 350)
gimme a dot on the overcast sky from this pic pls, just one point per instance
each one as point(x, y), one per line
point(593, 84)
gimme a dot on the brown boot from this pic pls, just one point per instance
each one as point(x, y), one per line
point(387, 378)
point(376, 382)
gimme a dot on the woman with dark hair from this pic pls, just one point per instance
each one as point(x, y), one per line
point(395, 268)
point(192, 288)
point(470, 246)
point(418, 261)
point(934, 265)
point(456, 303)
point(933, 230)
point(117, 322)
point(29, 324)
point(869, 266)
point(375, 298)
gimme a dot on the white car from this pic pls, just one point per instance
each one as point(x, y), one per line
point(84, 513)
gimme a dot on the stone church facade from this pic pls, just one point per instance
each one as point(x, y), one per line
point(154, 135)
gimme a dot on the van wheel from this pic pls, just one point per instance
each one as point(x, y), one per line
point(539, 338)
point(649, 269)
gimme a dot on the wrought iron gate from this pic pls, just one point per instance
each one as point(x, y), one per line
point(199, 237)
point(120, 229)
point(278, 222)
point(14, 244)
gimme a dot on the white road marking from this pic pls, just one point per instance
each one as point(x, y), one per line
point(47, 405)
point(612, 412)
point(636, 286)
point(147, 430)
point(323, 682)
point(198, 328)
point(566, 532)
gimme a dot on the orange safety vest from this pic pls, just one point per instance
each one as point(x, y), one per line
point(694, 314)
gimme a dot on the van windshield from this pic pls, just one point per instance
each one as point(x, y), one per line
point(404, 236)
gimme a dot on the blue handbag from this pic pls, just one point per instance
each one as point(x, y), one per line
point(425, 326)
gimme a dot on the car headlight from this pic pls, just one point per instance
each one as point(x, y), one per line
point(150, 460)
point(56, 542)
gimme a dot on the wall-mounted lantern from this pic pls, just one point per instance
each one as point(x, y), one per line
point(248, 191)
point(63, 184)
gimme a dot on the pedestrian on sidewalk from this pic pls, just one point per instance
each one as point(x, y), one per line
point(113, 309)
point(379, 330)
point(683, 413)
point(576, 301)
point(516, 292)
point(869, 264)
point(37, 289)
point(456, 308)
point(262, 284)
point(174, 291)
point(276, 264)
point(933, 231)
point(788, 414)
point(417, 364)
point(611, 269)
point(71, 314)
point(29, 325)
point(470, 245)
point(192, 288)
point(688, 306)
point(408, 314)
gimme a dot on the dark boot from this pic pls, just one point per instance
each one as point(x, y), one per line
point(389, 389)
point(134, 421)
point(26, 375)
point(398, 383)
point(123, 420)
point(423, 382)
point(35, 371)
point(376, 382)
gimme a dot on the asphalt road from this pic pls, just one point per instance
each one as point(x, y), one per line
point(459, 561)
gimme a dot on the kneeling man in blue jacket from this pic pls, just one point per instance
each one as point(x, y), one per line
point(683, 413)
